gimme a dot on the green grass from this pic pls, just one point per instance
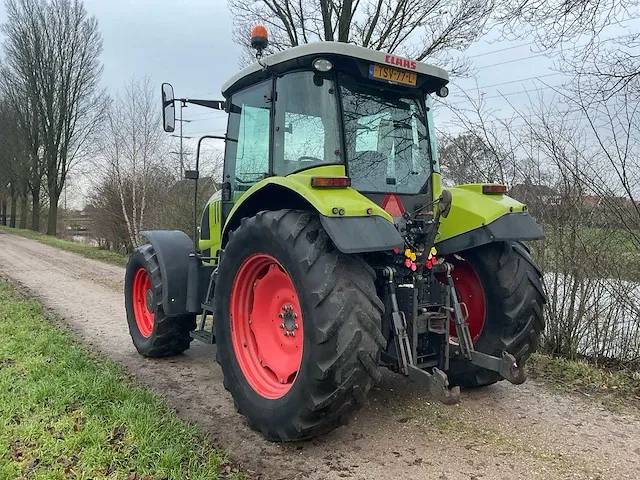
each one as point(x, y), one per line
point(89, 251)
point(68, 413)
point(615, 389)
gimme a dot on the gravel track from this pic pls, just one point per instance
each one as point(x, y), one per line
point(499, 432)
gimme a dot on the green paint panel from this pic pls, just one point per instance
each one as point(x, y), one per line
point(215, 217)
point(323, 199)
point(471, 209)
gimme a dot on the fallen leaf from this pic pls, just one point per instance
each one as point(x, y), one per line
point(34, 463)
point(404, 419)
point(132, 476)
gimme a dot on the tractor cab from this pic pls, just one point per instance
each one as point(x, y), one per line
point(328, 103)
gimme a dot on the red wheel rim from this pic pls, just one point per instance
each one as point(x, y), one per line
point(142, 302)
point(266, 326)
point(471, 293)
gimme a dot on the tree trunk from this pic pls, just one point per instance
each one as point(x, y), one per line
point(52, 224)
point(14, 210)
point(3, 212)
point(24, 211)
point(35, 219)
point(344, 22)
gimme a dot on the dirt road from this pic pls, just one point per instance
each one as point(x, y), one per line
point(500, 432)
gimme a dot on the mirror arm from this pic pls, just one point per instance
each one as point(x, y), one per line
point(215, 104)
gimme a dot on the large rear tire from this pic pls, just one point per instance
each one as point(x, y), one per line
point(154, 334)
point(297, 325)
point(502, 287)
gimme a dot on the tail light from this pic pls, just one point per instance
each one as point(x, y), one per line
point(330, 182)
point(494, 189)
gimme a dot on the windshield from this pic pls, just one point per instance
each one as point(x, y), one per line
point(386, 139)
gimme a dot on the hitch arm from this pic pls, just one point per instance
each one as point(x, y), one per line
point(506, 365)
point(437, 381)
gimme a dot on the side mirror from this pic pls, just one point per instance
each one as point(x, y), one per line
point(168, 108)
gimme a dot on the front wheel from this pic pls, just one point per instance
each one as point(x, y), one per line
point(154, 334)
point(297, 325)
point(501, 287)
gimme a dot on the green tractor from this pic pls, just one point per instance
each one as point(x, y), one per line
point(332, 248)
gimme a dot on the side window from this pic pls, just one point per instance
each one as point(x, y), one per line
point(306, 130)
point(247, 160)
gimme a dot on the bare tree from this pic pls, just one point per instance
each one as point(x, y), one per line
point(52, 51)
point(131, 150)
point(554, 22)
point(577, 31)
point(418, 29)
point(14, 162)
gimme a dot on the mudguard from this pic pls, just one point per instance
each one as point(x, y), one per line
point(354, 223)
point(172, 249)
point(511, 226)
point(477, 218)
point(362, 234)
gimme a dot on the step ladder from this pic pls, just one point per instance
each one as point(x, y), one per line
point(202, 334)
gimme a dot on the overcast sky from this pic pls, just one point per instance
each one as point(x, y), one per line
point(188, 43)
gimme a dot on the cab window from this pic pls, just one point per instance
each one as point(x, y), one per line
point(306, 127)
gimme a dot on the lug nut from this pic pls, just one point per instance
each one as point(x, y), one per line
point(286, 333)
point(280, 315)
point(284, 308)
point(282, 325)
point(293, 334)
point(295, 326)
point(295, 315)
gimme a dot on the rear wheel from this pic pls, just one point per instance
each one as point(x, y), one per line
point(153, 333)
point(297, 326)
point(502, 289)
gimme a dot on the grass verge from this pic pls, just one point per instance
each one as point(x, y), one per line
point(616, 389)
point(89, 251)
point(68, 413)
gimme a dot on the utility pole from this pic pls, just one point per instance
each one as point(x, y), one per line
point(183, 104)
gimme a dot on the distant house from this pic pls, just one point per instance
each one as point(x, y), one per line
point(591, 201)
point(532, 194)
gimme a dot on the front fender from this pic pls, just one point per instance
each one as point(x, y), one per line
point(172, 248)
point(477, 219)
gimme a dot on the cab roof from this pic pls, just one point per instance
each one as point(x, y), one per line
point(304, 55)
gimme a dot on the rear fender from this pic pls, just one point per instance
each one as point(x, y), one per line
point(343, 212)
point(476, 219)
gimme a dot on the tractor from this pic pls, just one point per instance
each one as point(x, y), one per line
point(332, 249)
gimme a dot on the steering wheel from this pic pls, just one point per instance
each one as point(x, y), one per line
point(313, 159)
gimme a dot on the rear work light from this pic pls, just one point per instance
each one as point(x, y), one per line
point(494, 189)
point(330, 182)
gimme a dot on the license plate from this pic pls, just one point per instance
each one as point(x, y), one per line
point(383, 72)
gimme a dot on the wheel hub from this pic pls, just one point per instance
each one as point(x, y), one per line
point(143, 305)
point(266, 326)
point(290, 319)
point(149, 301)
